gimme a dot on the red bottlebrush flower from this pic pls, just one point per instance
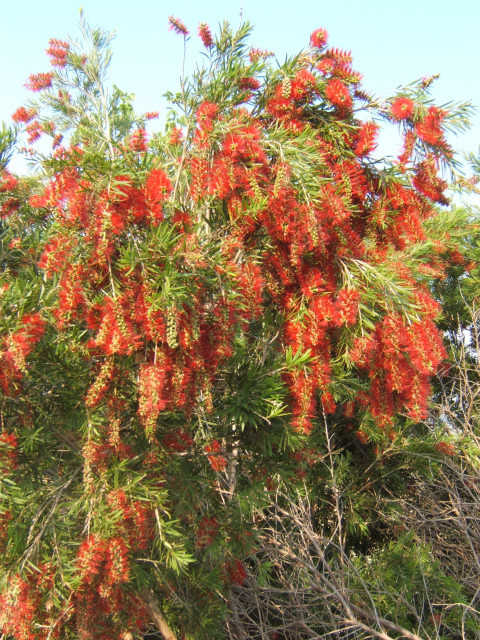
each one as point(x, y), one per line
point(445, 447)
point(117, 566)
point(303, 84)
point(101, 385)
point(39, 81)
point(7, 181)
point(153, 393)
point(362, 436)
point(236, 572)
point(217, 462)
point(429, 129)
point(24, 115)
point(57, 141)
point(326, 66)
point(178, 441)
point(408, 147)
point(339, 56)
point(206, 111)
point(319, 38)
point(205, 34)
point(366, 139)
point(138, 141)
point(58, 51)
point(249, 84)
point(91, 556)
point(213, 447)
point(116, 333)
point(177, 25)
point(207, 531)
point(8, 207)
point(338, 94)
point(328, 403)
point(22, 341)
point(176, 136)
point(8, 451)
point(151, 115)
point(428, 182)
point(157, 189)
point(34, 130)
point(402, 108)
point(346, 306)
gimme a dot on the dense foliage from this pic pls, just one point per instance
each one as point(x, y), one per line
point(216, 348)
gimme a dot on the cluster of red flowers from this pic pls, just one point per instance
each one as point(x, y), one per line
point(235, 572)
point(8, 182)
point(447, 448)
point(39, 81)
point(104, 568)
point(178, 440)
point(16, 347)
point(207, 531)
point(22, 615)
point(402, 108)
point(177, 25)
point(217, 462)
point(8, 452)
point(366, 139)
point(138, 141)
point(24, 115)
point(205, 34)
point(58, 52)
point(338, 94)
point(319, 38)
point(137, 522)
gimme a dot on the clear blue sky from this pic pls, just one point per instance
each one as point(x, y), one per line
point(392, 43)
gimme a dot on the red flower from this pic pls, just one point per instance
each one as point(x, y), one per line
point(39, 81)
point(177, 25)
point(213, 447)
point(207, 531)
point(249, 84)
point(7, 181)
point(58, 51)
point(402, 108)
point(446, 448)
point(138, 141)
point(24, 115)
point(367, 139)
point(157, 189)
point(206, 111)
point(34, 130)
point(338, 94)
point(326, 65)
point(328, 403)
point(319, 38)
point(362, 436)
point(236, 572)
point(176, 136)
point(205, 34)
point(428, 182)
point(217, 462)
point(430, 130)
point(408, 147)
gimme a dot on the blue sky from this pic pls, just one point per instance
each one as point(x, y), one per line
point(393, 43)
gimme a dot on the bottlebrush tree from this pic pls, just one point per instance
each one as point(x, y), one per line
point(190, 319)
